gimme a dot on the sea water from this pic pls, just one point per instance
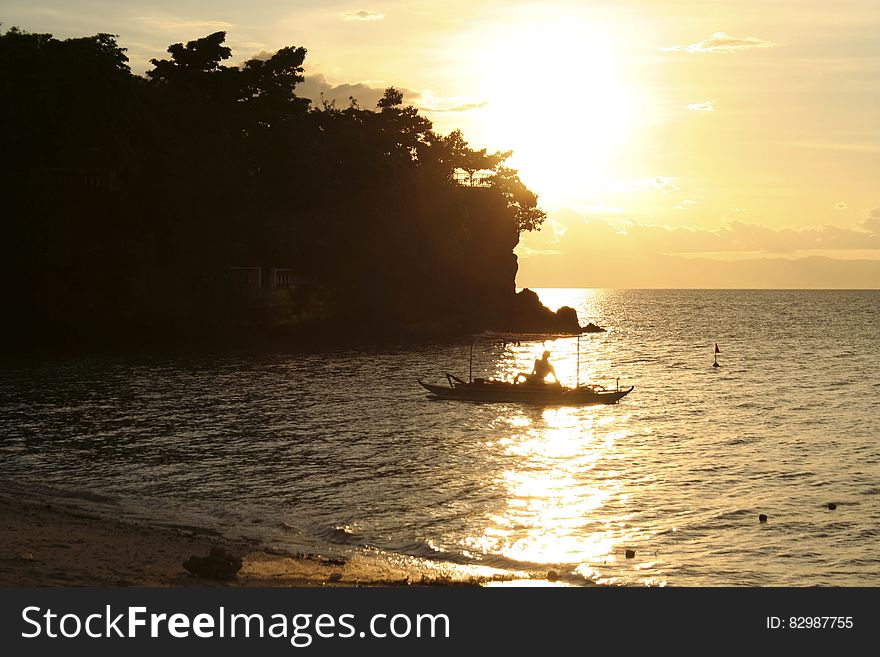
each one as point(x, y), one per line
point(342, 451)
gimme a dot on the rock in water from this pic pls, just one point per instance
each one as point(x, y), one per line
point(567, 317)
point(219, 564)
point(831, 506)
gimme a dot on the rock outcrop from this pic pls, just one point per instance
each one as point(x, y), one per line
point(219, 564)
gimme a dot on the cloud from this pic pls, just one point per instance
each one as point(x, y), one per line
point(872, 223)
point(686, 204)
point(428, 102)
point(723, 43)
point(527, 252)
point(574, 233)
point(592, 252)
point(362, 15)
point(738, 236)
point(664, 184)
point(315, 87)
point(841, 206)
point(600, 209)
point(853, 147)
point(169, 23)
point(705, 106)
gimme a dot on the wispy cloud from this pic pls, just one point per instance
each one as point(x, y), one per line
point(736, 254)
point(171, 23)
point(686, 204)
point(362, 15)
point(739, 236)
point(463, 107)
point(428, 102)
point(705, 106)
point(854, 147)
point(723, 43)
point(733, 237)
point(664, 184)
point(526, 252)
point(841, 206)
point(872, 223)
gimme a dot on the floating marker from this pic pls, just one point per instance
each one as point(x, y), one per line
point(630, 554)
point(832, 506)
point(762, 518)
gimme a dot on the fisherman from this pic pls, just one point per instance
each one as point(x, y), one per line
point(543, 368)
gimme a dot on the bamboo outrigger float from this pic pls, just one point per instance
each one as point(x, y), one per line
point(491, 390)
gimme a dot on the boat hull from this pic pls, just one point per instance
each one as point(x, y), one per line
point(530, 394)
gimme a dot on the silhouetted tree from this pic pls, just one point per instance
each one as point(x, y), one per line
point(126, 198)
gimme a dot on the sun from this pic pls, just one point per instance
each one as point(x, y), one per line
point(556, 97)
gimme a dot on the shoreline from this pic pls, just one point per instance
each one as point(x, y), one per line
point(46, 543)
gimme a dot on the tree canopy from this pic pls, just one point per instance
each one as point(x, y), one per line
point(131, 192)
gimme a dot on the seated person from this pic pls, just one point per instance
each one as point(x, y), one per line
point(541, 371)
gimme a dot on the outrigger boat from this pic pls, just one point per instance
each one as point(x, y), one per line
point(491, 390)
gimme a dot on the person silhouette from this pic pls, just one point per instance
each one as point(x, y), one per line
point(543, 368)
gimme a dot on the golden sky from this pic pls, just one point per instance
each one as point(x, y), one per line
point(689, 143)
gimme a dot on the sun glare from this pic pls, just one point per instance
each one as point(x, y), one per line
point(557, 98)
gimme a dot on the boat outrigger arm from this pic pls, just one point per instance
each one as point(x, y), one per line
point(490, 390)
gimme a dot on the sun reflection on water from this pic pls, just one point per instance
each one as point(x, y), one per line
point(558, 485)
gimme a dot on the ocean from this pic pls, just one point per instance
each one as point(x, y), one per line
point(342, 452)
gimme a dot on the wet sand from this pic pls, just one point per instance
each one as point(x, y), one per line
point(43, 543)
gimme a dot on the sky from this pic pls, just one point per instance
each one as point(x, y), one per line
point(680, 143)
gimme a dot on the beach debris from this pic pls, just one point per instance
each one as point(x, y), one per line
point(219, 564)
point(762, 518)
point(832, 506)
point(630, 554)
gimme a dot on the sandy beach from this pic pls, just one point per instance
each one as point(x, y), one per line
point(44, 543)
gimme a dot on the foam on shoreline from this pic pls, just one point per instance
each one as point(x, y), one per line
point(56, 542)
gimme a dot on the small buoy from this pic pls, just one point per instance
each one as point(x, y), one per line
point(832, 506)
point(762, 518)
point(630, 554)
